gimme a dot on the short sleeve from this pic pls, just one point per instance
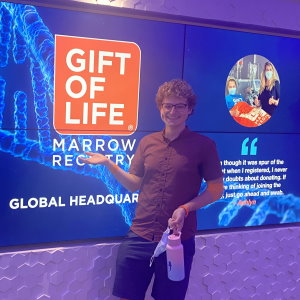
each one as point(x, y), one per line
point(211, 167)
point(137, 164)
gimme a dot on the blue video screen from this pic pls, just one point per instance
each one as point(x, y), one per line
point(52, 69)
point(258, 151)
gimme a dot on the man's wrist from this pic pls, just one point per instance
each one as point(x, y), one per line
point(186, 210)
point(108, 164)
point(112, 167)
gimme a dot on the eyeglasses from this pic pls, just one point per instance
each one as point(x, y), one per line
point(178, 106)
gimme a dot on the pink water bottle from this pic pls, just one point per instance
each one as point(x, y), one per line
point(175, 258)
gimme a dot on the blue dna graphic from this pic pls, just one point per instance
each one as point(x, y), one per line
point(285, 207)
point(24, 34)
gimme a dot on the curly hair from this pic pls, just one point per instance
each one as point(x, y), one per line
point(178, 88)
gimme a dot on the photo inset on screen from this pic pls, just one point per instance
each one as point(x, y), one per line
point(252, 90)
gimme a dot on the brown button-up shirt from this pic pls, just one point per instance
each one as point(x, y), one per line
point(172, 173)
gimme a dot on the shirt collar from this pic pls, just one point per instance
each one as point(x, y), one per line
point(184, 132)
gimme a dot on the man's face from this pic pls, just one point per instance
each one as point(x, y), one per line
point(174, 111)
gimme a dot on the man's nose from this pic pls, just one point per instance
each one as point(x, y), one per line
point(173, 109)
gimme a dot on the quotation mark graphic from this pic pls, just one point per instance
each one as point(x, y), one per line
point(245, 147)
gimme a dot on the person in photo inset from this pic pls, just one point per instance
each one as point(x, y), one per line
point(168, 168)
point(269, 91)
point(232, 98)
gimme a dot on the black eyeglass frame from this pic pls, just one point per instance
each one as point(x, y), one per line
point(178, 106)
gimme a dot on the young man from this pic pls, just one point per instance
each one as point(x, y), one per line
point(168, 168)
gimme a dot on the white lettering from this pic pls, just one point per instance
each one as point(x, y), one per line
point(122, 57)
point(94, 87)
point(80, 61)
point(58, 144)
point(83, 88)
point(68, 115)
point(98, 113)
point(102, 61)
point(114, 114)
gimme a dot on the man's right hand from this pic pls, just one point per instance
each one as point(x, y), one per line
point(130, 181)
point(95, 159)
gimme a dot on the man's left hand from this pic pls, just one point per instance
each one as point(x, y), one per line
point(177, 220)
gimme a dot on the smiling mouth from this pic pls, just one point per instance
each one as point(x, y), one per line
point(172, 119)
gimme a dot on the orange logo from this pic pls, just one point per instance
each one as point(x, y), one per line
point(96, 86)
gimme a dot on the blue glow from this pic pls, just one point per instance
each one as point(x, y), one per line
point(5, 35)
point(2, 98)
point(32, 39)
point(24, 34)
point(285, 207)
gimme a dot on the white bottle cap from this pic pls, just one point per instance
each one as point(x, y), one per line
point(174, 239)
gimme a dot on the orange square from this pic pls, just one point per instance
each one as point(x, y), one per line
point(96, 86)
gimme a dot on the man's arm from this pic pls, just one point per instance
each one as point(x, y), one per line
point(129, 181)
point(212, 193)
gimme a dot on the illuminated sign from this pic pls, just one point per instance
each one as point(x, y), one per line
point(96, 86)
